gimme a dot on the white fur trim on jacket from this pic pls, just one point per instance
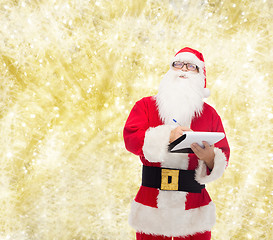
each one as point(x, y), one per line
point(156, 142)
point(172, 222)
point(220, 163)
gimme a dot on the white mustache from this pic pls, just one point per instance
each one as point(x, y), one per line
point(177, 74)
point(183, 75)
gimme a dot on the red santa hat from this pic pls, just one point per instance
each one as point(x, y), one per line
point(190, 55)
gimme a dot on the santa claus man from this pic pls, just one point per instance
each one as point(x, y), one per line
point(172, 202)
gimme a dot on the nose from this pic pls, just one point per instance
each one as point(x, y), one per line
point(184, 68)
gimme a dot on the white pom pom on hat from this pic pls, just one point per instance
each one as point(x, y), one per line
point(193, 56)
point(206, 92)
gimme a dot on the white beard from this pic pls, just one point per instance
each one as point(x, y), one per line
point(180, 98)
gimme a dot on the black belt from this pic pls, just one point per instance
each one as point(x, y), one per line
point(170, 179)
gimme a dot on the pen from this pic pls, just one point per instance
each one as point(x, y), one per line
point(176, 122)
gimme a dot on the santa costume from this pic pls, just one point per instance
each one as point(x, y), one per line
point(159, 212)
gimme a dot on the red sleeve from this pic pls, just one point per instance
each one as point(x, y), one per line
point(135, 128)
point(203, 174)
point(223, 144)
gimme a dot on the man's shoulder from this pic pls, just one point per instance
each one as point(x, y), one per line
point(208, 109)
point(147, 100)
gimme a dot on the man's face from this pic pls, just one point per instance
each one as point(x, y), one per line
point(184, 67)
point(182, 86)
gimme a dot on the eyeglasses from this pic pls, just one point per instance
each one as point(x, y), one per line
point(189, 66)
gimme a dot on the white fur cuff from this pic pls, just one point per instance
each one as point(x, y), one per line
point(220, 163)
point(156, 142)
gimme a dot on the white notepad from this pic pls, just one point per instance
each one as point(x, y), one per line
point(185, 141)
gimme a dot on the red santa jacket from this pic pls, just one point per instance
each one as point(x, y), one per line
point(172, 213)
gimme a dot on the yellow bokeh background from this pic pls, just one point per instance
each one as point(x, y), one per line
point(70, 74)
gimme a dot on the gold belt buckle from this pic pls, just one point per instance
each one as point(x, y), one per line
point(169, 179)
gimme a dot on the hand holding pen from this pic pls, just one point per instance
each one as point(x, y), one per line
point(177, 132)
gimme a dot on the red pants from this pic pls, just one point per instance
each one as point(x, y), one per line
point(197, 236)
